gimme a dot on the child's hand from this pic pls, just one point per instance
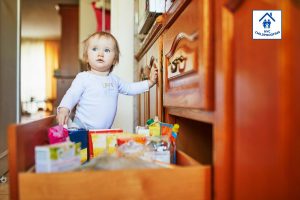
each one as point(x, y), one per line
point(153, 76)
point(62, 116)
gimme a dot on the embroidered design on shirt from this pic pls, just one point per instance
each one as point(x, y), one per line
point(108, 86)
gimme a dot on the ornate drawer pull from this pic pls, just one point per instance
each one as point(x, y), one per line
point(176, 62)
point(151, 63)
point(182, 66)
point(173, 67)
point(192, 37)
point(152, 59)
point(143, 76)
point(145, 71)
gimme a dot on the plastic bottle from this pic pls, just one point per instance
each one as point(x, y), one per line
point(173, 138)
point(154, 127)
point(175, 130)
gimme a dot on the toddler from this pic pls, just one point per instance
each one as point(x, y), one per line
point(95, 92)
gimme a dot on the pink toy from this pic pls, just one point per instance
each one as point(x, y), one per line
point(57, 134)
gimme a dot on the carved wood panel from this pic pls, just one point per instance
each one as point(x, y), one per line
point(188, 58)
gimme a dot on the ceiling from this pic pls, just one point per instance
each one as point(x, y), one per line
point(40, 19)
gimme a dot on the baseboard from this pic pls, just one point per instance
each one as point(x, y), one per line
point(3, 162)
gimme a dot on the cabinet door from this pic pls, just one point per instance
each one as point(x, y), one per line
point(258, 93)
point(187, 45)
point(154, 59)
point(152, 100)
point(143, 98)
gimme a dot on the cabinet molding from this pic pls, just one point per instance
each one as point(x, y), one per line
point(233, 5)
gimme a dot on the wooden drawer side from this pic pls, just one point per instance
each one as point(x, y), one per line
point(22, 138)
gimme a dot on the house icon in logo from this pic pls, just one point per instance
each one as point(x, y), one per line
point(267, 22)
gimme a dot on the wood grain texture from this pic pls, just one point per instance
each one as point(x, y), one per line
point(194, 114)
point(177, 183)
point(174, 11)
point(255, 91)
point(153, 99)
point(152, 36)
point(22, 138)
point(233, 5)
point(69, 59)
point(142, 108)
point(224, 118)
point(69, 48)
point(255, 140)
point(195, 139)
point(154, 59)
point(193, 87)
point(289, 111)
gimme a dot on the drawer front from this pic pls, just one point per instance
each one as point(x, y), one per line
point(154, 59)
point(142, 98)
point(187, 54)
point(151, 102)
point(189, 181)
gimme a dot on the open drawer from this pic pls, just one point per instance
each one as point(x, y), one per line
point(189, 180)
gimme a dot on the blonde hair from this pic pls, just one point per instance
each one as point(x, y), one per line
point(99, 35)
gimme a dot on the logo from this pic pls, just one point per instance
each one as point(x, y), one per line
point(266, 24)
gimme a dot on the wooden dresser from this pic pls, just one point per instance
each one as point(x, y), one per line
point(235, 98)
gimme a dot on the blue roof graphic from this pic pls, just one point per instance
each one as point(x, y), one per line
point(267, 14)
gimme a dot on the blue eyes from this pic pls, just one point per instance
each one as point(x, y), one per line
point(105, 50)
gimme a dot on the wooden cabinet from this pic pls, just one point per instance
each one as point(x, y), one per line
point(150, 55)
point(187, 52)
point(184, 92)
point(69, 47)
point(143, 99)
point(257, 114)
point(235, 98)
point(154, 59)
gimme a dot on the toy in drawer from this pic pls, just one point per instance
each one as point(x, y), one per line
point(80, 135)
point(189, 180)
point(102, 140)
point(187, 50)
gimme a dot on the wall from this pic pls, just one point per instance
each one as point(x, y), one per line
point(122, 26)
point(122, 17)
point(9, 71)
point(87, 22)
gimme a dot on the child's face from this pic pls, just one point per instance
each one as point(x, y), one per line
point(101, 54)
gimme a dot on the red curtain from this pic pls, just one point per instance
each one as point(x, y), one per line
point(98, 13)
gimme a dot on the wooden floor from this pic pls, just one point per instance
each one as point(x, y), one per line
point(4, 189)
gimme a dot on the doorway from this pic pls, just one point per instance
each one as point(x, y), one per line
point(40, 46)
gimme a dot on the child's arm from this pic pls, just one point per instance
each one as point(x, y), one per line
point(138, 87)
point(70, 99)
point(62, 115)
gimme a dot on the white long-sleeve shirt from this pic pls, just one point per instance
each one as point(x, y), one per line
point(96, 98)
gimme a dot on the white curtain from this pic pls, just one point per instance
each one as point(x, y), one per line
point(33, 83)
